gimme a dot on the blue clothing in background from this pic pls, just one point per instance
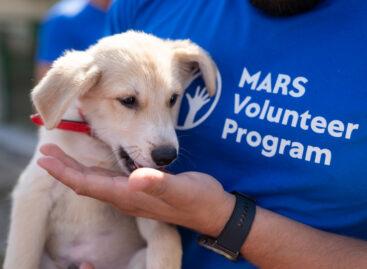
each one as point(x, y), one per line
point(70, 24)
point(288, 125)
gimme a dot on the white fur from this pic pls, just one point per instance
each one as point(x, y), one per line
point(51, 226)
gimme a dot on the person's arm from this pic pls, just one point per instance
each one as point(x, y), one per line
point(278, 242)
point(197, 201)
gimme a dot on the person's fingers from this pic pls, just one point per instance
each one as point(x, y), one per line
point(102, 187)
point(85, 265)
point(54, 151)
point(102, 171)
point(58, 169)
point(156, 183)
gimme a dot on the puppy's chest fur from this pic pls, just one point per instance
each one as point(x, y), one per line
point(84, 229)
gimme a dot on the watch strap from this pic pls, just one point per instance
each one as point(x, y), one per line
point(235, 232)
point(239, 224)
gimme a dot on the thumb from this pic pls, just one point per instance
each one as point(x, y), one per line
point(157, 183)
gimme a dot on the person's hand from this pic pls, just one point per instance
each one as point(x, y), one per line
point(193, 200)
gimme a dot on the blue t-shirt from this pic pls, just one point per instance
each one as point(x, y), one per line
point(288, 124)
point(70, 24)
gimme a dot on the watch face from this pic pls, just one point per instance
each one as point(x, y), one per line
point(212, 244)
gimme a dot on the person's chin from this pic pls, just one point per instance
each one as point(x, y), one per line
point(283, 8)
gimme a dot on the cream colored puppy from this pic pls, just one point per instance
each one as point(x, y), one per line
point(127, 87)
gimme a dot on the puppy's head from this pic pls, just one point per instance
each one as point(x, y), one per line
point(128, 87)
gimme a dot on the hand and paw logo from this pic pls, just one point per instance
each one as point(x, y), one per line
point(196, 104)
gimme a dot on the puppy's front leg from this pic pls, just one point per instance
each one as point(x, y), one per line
point(28, 227)
point(164, 249)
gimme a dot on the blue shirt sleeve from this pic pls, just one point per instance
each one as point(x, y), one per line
point(54, 38)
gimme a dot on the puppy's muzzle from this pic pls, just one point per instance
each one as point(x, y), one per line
point(164, 155)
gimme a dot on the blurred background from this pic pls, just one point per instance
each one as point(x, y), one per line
point(19, 25)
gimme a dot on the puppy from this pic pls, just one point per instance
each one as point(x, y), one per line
point(127, 87)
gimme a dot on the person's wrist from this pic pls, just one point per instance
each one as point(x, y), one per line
point(220, 215)
point(230, 238)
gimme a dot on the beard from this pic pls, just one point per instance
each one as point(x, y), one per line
point(282, 8)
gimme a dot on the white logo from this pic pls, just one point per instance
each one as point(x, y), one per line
point(196, 99)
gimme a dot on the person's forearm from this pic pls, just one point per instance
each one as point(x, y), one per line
point(278, 242)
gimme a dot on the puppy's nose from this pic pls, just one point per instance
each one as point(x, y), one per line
point(164, 155)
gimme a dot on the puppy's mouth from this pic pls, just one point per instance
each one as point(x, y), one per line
point(130, 164)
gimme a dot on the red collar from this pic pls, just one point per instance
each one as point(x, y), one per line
point(67, 125)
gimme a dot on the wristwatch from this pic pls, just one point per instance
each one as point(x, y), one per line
point(234, 233)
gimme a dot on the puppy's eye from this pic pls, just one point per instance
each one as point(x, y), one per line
point(129, 102)
point(173, 100)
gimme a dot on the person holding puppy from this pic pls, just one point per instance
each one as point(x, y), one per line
point(286, 127)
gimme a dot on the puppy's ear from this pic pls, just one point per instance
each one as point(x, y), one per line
point(190, 59)
point(71, 76)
